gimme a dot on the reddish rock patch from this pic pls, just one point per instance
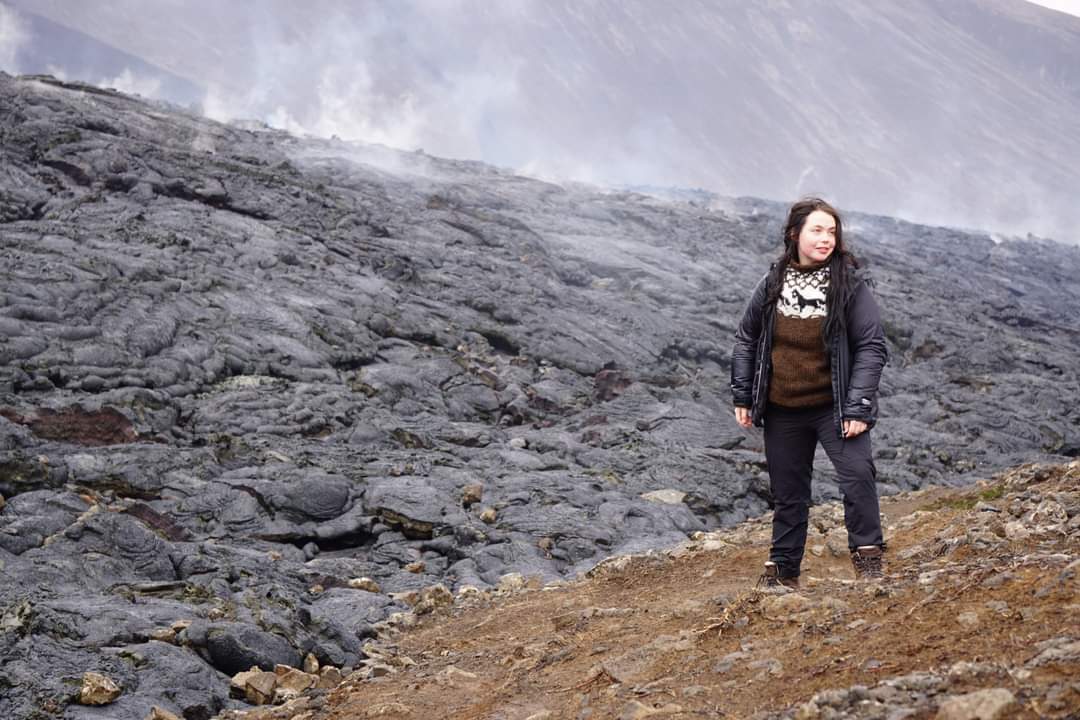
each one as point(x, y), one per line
point(76, 425)
point(609, 384)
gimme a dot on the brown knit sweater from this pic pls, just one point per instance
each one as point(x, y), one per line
point(800, 362)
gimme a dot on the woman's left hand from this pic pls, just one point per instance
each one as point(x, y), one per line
point(853, 428)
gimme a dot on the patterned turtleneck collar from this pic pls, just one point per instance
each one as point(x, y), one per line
point(805, 290)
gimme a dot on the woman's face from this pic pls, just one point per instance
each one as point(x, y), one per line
point(817, 238)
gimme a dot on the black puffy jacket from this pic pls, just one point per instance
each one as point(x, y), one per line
point(856, 356)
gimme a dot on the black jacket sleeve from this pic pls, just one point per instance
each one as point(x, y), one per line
point(744, 354)
point(869, 353)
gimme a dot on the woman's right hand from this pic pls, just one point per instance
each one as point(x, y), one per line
point(742, 416)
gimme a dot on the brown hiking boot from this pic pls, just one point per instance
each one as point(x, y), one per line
point(770, 579)
point(866, 559)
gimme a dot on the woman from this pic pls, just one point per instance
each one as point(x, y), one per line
point(806, 364)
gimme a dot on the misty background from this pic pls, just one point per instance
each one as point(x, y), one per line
point(952, 112)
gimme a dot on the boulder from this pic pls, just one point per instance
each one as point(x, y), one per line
point(98, 689)
point(233, 647)
point(989, 704)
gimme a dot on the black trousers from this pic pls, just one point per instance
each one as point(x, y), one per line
point(791, 436)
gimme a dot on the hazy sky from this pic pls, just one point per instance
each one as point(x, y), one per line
point(1068, 6)
point(694, 93)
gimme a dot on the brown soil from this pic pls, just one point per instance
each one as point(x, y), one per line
point(657, 630)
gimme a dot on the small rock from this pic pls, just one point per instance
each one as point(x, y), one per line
point(376, 651)
point(311, 664)
point(1057, 650)
point(378, 670)
point(770, 665)
point(456, 673)
point(163, 634)
point(875, 589)
point(785, 607)
point(1049, 512)
point(637, 710)
point(694, 690)
point(979, 705)
point(545, 544)
point(329, 677)
point(837, 542)
point(364, 583)
point(98, 689)
point(667, 496)
point(566, 620)
point(612, 564)
point(401, 619)
point(511, 582)
point(2, 502)
point(1016, 530)
point(542, 715)
point(416, 567)
point(728, 661)
point(969, 620)
point(680, 551)
point(390, 709)
point(472, 494)
point(967, 669)
point(488, 515)
point(1060, 699)
point(808, 711)
point(433, 598)
point(817, 550)
point(835, 604)
point(471, 593)
point(238, 684)
point(519, 443)
point(885, 694)
point(910, 552)
point(409, 597)
point(293, 682)
point(158, 713)
point(918, 681)
point(259, 688)
point(997, 580)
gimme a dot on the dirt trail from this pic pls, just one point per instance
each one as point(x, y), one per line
point(986, 576)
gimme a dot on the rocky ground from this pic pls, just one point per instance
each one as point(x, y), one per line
point(256, 389)
point(975, 618)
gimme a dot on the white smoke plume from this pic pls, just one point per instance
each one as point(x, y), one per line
point(14, 34)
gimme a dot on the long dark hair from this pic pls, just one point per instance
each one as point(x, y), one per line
point(841, 264)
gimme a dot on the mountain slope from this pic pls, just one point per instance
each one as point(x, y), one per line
point(240, 371)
